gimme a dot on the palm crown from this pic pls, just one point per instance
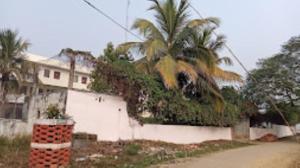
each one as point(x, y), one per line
point(178, 45)
point(11, 58)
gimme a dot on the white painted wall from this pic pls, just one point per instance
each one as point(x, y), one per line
point(298, 128)
point(10, 127)
point(283, 131)
point(279, 130)
point(181, 134)
point(108, 119)
point(256, 133)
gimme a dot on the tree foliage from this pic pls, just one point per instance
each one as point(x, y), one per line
point(76, 57)
point(278, 77)
point(146, 92)
point(11, 59)
point(181, 50)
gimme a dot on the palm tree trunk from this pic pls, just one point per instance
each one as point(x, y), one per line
point(72, 72)
point(3, 89)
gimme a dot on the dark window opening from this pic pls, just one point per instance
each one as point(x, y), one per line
point(46, 73)
point(56, 75)
point(84, 80)
point(41, 91)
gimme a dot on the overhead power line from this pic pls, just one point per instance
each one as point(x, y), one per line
point(226, 46)
point(111, 19)
point(270, 99)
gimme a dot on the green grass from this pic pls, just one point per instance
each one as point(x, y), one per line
point(132, 149)
point(14, 152)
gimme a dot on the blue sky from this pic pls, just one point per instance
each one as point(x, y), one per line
point(254, 29)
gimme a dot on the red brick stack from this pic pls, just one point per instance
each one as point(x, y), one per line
point(51, 143)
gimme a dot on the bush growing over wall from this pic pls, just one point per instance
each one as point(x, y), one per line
point(145, 92)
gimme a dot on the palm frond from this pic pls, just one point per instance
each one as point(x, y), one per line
point(154, 49)
point(180, 18)
point(211, 93)
point(225, 60)
point(125, 47)
point(166, 67)
point(84, 57)
point(147, 29)
point(188, 69)
point(160, 15)
point(226, 75)
point(17, 74)
point(195, 23)
point(143, 66)
point(201, 65)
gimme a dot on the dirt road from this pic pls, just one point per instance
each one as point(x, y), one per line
point(267, 155)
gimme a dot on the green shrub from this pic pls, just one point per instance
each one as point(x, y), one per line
point(53, 112)
point(146, 92)
point(132, 149)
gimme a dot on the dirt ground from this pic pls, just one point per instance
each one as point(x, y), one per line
point(14, 153)
point(270, 155)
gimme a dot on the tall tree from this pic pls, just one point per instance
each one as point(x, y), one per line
point(111, 55)
point(12, 49)
point(167, 45)
point(76, 56)
point(279, 77)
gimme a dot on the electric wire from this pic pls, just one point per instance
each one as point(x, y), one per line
point(270, 99)
point(111, 19)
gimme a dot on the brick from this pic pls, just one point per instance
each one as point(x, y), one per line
point(50, 134)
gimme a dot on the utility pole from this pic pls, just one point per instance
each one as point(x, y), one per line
point(127, 19)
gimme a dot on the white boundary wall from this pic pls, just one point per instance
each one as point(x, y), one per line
point(279, 130)
point(107, 117)
point(298, 128)
point(10, 127)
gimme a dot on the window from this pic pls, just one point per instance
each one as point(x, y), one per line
point(56, 75)
point(46, 73)
point(84, 80)
point(75, 78)
point(41, 91)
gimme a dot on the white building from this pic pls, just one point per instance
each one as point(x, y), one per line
point(53, 76)
point(54, 73)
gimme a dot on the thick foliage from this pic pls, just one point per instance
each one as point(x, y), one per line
point(279, 77)
point(11, 58)
point(147, 93)
point(174, 44)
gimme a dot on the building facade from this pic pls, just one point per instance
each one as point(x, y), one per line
point(54, 74)
point(53, 77)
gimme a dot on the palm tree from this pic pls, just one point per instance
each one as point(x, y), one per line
point(202, 45)
point(74, 56)
point(12, 48)
point(169, 50)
